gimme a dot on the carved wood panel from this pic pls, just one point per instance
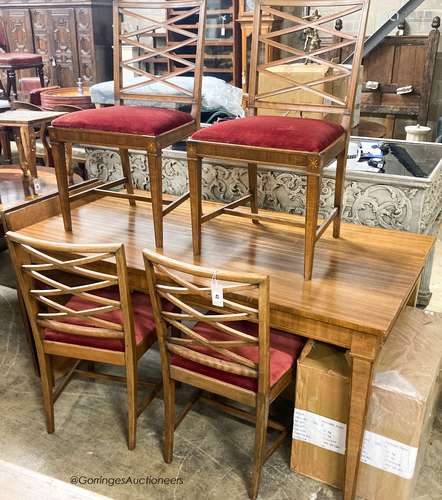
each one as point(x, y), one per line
point(63, 43)
point(85, 35)
point(39, 18)
point(19, 30)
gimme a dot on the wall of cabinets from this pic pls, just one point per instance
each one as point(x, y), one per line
point(74, 38)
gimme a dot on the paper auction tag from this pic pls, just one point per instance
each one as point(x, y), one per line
point(37, 186)
point(217, 292)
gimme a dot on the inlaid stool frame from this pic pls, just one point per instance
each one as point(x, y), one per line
point(185, 285)
point(32, 259)
point(153, 145)
point(310, 164)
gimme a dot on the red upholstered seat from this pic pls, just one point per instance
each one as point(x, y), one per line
point(143, 319)
point(17, 58)
point(125, 119)
point(278, 132)
point(284, 350)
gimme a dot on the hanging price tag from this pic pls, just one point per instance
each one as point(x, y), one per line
point(37, 186)
point(223, 25)
point(217, 292)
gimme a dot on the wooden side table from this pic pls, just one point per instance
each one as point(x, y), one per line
point(66, 96)
point(24, 123)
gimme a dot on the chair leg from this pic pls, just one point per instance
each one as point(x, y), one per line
point(253, 189)
point(41, 75)
point(131, 381)
point(195, 188)
point(262, 416)
point(311, 222)
point(11, 84)
point(154, 161)
point(169, 418)
point(125, 164)
point(58, 151)
point(47, 384)
point(339, 193)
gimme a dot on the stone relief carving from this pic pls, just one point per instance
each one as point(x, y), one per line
point(365, 203)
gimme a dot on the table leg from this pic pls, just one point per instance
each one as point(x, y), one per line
point(364, 350)
point(21, 152)
point(58, 150)
point(27, 137)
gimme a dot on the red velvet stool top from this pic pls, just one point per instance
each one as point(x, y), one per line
point(276, 132)
point(141, 120)
point(17, 58)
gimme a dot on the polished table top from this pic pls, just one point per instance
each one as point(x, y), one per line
point(360, 282)
point(17, 117)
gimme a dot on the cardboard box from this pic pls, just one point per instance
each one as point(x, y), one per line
point(322, 390)
point(406, 388)
point(302, 73)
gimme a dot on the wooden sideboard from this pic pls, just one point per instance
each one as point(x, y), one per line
point(74, 38)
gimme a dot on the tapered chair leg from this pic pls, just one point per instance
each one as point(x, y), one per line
point(253, 189)
point(194, 165)
point(47, 383)
point(169, 418)
point(131, 382)
point(339, 192)
point(59, 154)
point(311, 222)
point(262, 416)
point(154, 161)
point(125, 164)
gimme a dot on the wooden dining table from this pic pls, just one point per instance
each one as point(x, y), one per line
point(361, 282)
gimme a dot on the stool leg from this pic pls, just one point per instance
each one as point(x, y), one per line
point(194, 166)
point(58, 150)
point(339, 193)
point(41, 75)
point(253, 189)
point(11, 83)
point(311, 222)
point(154, 161)
point(125, 164)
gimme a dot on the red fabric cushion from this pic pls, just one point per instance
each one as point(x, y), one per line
point(278, 132)
point(125, 119)
point(143, 319)
point(284, 350)
point(19, 58)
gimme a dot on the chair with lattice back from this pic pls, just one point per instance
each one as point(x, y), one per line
point(79, 305)
point(304, 144)
point(148, 128)
point(227, 349)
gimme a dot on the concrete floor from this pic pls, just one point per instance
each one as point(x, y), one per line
point(211, 459)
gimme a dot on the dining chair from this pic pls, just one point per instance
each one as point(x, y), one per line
point(269, 136)
point(147, 128)
point(227, 349)
point(79, 306)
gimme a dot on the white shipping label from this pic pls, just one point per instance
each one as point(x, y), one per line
point(388, 455)
point(320, 431)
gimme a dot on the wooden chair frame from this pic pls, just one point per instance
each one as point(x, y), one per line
point(152, 144)
point(32, 259)
point(310, 164)
point(185, 285)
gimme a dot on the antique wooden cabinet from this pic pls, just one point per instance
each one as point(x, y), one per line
point(74, 37)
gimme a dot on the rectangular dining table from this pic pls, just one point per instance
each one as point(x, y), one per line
point(361, 282)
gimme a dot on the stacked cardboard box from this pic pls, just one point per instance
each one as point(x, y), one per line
point(406, 388)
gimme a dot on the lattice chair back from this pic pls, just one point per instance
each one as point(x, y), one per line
point(70, 294)
point(211, 335)
point(142, 26)
point(304, 77)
